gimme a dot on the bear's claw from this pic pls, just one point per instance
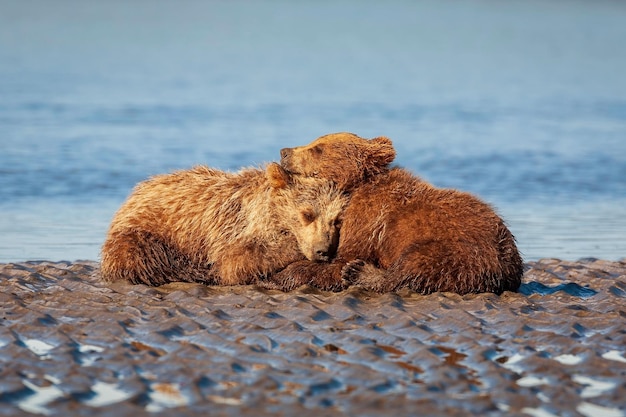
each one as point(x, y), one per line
point(352, 270)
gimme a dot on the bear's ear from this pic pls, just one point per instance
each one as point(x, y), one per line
point(277, 176)
point(381, 151)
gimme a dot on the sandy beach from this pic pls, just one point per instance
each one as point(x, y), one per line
point(72, 345)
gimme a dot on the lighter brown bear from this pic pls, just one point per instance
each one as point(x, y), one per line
point(220, 228)
point(400, 231)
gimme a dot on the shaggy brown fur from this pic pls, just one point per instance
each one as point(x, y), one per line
point(399, 231)
point(350, 164)
point(215, 227)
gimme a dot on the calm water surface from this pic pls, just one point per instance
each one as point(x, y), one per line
point(521, 103)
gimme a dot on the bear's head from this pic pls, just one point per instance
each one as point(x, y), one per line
point(344, 158)
point(310, 209)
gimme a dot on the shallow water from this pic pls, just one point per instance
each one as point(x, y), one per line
point(522, 103)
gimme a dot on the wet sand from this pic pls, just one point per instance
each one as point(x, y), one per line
point(71, 345)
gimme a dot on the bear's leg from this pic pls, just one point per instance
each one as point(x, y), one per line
point(428, 267)
point(246, 264)
point(434, 268)
point(366, 275)
point(413, 269)
point(140, 257)
point(325, 276)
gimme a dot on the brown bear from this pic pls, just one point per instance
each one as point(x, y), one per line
point(400, 231)
point(215, 227)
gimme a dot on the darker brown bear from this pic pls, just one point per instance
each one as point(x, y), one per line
point(400, 231)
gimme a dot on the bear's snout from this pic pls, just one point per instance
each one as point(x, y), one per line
point(324, 252)
point(322, 255)
point(285, 157)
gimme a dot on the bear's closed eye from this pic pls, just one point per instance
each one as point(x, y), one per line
point(308, 216)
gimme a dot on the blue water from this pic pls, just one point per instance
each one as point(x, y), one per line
point(571, 288)
point(522, 103)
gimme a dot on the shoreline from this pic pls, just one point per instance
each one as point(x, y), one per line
point(73, 345)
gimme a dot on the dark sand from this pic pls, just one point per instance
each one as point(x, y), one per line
point(70, 345)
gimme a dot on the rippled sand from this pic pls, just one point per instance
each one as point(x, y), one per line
point(70, 345)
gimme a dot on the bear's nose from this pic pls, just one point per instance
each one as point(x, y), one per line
point(285, 152)
point(322, 255)
point(326, 254)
